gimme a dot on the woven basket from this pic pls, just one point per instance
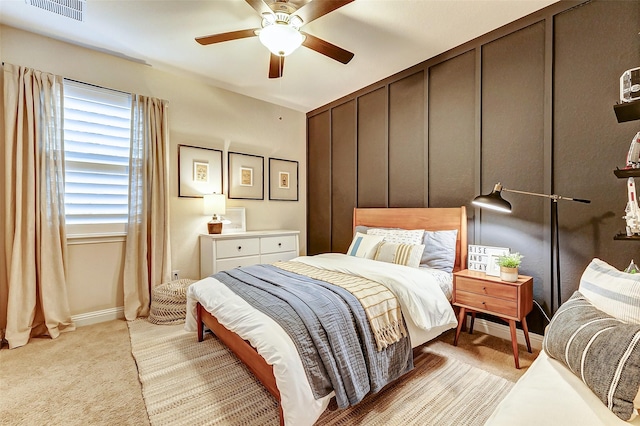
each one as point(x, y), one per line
point(169, 302)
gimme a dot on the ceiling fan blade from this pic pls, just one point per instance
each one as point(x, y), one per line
point(276, 66)
point(233, 35)
point(260, 6)
point(317, 8)
point(326, 48)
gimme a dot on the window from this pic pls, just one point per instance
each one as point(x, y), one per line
point(97, 141)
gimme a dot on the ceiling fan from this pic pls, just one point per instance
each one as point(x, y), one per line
point(280, 32)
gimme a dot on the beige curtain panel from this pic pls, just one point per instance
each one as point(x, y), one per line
point(147, 253)
point(33, 257)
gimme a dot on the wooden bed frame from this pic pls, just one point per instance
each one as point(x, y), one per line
point(432, 219)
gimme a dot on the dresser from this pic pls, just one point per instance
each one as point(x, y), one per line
point(477, 292)
point(219, 252)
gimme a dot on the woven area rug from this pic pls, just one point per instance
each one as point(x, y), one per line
point(189, 383)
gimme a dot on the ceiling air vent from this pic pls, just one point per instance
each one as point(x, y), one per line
point(73, 9)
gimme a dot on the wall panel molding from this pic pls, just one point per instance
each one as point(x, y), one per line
point(530, 105)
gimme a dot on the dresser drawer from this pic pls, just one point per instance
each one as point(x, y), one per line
point(492, 305)
point(486, 288)
point(278, 257)
point(237, 247)
point(226, 264)
point(278, 244)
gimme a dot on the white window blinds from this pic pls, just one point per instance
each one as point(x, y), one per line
point(97, 140)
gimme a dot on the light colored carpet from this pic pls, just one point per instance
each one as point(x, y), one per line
point(84, 377)
point(186, 382)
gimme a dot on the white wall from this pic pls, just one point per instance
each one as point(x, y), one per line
point(199, 115)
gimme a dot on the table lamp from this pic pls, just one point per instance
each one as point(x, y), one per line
point(214, 205)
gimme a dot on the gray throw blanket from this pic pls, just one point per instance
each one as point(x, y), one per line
point(328, 327)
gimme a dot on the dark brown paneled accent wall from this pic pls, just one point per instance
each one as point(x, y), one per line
point(407, 144)
point(373, 150)
point(343, 175)
point(319, 183)
point(512, 144)
point(594, 44)
point(452, 137)
point(529, 105)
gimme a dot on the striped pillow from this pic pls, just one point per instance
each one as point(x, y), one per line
point(398, 236)
point(612, 291)
point(401, 254)
point(364, 245)
point(603, 351)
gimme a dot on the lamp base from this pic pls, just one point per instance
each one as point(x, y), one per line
point(214, 227)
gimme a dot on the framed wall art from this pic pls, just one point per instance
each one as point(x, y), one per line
point(283, 180)
point(246, 176)
point(234, 220)
point(199, 171)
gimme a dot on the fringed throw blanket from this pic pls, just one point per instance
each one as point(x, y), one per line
point(379, 303)
point(328, 327)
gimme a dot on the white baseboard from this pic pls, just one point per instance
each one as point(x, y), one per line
point(95, 317)
point(503, 332)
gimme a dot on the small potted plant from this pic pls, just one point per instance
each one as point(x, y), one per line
point(509, 264)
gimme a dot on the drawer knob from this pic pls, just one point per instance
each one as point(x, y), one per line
point(484, 289)
point(279, 244)
point(239, 248)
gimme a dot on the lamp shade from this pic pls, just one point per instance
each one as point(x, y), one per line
point(281, 38)
point(493, 201)
point(214, 204)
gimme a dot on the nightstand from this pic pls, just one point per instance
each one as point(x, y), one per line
point(477, 292)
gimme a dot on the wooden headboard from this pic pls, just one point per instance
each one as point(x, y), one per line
point(430, 219)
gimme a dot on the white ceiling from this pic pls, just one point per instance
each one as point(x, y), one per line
point(387, 36)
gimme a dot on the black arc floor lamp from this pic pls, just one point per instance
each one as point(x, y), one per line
point(494, 201)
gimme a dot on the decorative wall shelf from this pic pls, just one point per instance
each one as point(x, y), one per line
point(625, 237)
point(626, 173)
point(627, 111)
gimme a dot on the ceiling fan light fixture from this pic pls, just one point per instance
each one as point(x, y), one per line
point(281, 38)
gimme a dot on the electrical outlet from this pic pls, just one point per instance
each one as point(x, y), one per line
point(175, 274)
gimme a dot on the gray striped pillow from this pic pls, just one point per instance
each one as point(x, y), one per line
point(402, 254)
point(603, 351)
point(614, 292)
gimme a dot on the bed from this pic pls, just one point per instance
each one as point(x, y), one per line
point(269, 352)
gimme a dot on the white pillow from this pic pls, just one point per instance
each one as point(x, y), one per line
point(364, 245)
point(401, 254)
point(612, 291)
point(399, 236)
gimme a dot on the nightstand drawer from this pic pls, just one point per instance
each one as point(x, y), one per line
point(492, 305)
point(278, 244)
point(238, 247)
point(486, 288)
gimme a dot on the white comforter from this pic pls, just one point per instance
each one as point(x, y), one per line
point(425, 307)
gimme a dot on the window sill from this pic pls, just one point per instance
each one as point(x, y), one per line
point(74, 239)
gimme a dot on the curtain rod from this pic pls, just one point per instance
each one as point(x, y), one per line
point(91, 84)
point(101, 87)
point(108, 88)
point(97, 85)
